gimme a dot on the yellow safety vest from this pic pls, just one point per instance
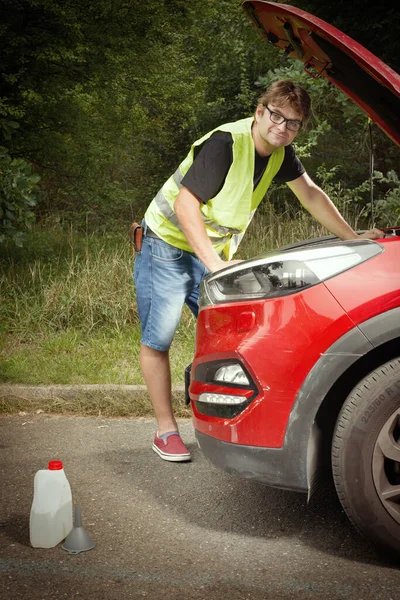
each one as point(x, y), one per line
point(227, 215)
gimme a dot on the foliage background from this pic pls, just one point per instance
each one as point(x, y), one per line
point(99, 101)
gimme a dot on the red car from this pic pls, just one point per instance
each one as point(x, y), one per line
point(297, 363)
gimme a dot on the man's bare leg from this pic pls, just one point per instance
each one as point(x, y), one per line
point(157, 375)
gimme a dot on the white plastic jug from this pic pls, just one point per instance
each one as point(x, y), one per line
point(51, 512)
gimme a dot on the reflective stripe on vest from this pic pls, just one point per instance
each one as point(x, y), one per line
point(167, 212)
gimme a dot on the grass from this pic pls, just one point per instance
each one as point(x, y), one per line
point(73, 356)
point(68, 314)
point(268, 230)
point(67, 305)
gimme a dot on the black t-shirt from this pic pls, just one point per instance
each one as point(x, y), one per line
point(213, 159)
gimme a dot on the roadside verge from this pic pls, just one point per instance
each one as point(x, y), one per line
point(106, 400)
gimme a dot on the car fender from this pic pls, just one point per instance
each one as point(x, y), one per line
point(303, 436)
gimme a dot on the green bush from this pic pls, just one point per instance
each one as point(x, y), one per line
point(387, 205)
point(18, 189)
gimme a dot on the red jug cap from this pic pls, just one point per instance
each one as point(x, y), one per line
point(55, 465)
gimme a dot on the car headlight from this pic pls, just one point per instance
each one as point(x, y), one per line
point(287, 272)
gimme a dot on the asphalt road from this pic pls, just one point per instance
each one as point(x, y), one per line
point(172, 531)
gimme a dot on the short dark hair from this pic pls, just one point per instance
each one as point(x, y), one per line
point(285, 92)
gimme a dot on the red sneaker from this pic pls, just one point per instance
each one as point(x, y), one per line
point(172, 449)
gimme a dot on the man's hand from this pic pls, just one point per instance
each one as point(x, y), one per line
point(373, 234)
point(223, 264)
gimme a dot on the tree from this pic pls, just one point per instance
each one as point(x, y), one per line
point(106, 97)
point(103, 99)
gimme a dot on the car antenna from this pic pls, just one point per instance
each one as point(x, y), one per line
point(371, 171)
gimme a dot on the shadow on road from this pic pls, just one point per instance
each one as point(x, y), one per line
point(215, 500)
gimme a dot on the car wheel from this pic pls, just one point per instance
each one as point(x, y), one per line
point(366, 456)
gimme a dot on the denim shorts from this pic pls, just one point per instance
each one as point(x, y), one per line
point(165, 278)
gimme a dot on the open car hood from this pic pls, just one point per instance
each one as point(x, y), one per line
point(327, 52)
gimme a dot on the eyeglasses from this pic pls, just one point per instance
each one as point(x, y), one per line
point(278, 119)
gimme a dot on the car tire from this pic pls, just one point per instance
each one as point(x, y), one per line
point(366, 456)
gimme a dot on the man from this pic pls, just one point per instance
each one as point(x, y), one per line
point(198, 218)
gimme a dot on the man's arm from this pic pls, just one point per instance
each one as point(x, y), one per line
point(319, 205)
point(187, 209)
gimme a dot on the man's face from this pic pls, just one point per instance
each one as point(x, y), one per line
point(274, 135)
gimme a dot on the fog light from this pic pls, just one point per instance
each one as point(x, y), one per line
point(232, 373)
point(210, 398)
